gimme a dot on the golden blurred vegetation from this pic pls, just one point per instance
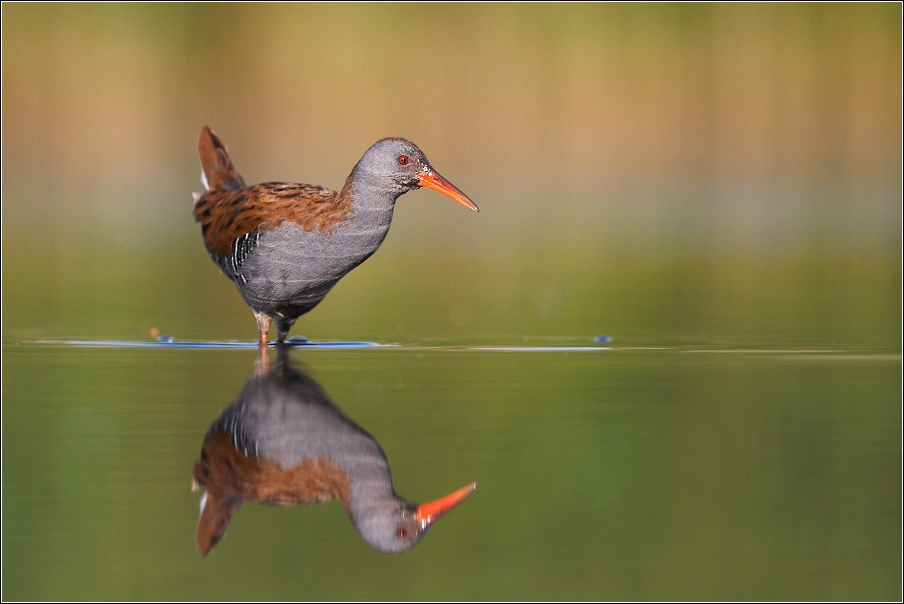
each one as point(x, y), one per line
point(770, 124)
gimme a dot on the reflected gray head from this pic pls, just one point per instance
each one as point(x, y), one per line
point(399, 526)
point(394, 531)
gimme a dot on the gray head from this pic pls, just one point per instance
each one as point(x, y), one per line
point(396, 166)
point(397, 525)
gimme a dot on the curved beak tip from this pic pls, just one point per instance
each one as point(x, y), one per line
point(433, 180)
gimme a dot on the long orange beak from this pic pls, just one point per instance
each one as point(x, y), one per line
point(431, 179)
point(428, 513)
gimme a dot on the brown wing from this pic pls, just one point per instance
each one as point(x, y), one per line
point(227, 215)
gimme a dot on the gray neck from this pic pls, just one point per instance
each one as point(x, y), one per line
point(372, 192)
point(372, 205)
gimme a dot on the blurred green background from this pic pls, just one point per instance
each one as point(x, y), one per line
point(694, 178)
point(606, 145)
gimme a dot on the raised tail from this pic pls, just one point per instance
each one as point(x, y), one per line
point(217, 171)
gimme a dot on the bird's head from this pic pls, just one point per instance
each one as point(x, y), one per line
point(399, 163)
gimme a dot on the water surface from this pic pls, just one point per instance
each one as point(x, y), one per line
point(688, 473)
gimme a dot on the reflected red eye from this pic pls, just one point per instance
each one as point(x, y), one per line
point(402, 532)
point(403, 159)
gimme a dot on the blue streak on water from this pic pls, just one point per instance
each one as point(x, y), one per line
point(174, 344)
point(539, 348)
point(168, 342)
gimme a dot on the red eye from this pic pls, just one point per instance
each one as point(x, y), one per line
point(402, 532)
point(403, 159)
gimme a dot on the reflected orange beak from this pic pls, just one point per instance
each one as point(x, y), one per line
point(431, 179)
point(428, 513)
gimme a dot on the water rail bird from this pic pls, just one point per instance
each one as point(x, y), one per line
point(285, 245)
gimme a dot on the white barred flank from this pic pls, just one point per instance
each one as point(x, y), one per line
point(241, 248)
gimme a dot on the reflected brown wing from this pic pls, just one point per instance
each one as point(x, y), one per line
point(229, 476)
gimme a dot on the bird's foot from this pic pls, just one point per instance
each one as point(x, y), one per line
point(263, 325)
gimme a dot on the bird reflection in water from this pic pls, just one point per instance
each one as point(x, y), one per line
point(285, 443)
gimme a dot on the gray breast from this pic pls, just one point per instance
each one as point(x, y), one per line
point(289, 270)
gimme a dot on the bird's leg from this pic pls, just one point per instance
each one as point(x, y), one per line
point(263, 324)
point(283, 325)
